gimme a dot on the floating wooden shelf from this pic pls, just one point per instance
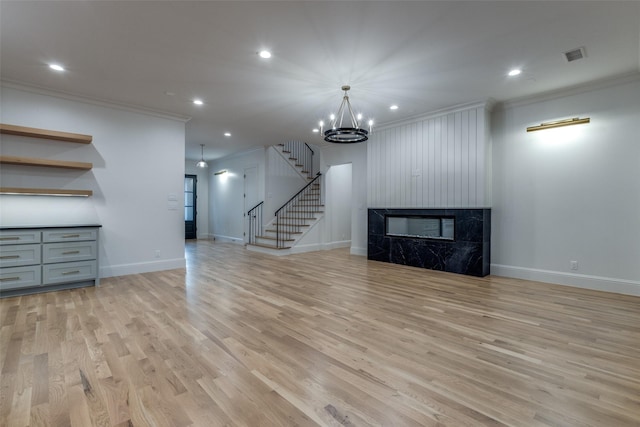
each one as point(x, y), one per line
point(45, 134)
point(29, 161)
point(45, 192)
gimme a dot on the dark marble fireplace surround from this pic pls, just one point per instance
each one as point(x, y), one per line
point(468, 253)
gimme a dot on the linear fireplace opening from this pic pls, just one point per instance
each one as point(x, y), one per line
point(420, 226)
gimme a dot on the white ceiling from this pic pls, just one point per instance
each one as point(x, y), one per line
point(423, 56)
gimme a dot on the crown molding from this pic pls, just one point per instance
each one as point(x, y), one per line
point(487, 105)
point(12, 84)
point(238, 154)
point(568, 91)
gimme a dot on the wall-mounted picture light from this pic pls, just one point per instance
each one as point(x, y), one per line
point(559, 123)
point(220, 172)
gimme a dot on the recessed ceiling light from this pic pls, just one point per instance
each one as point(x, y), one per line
point(56, 67)
point(316, 130)
point(198, 101)
point(264, 54)
point(227, 134)
point(393, 107)
point(515, 72)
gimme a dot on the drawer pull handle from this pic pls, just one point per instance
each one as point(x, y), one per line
point(68, 236)
point(9, 256)
point(10, 238)
point(70, 252)
point(6, 279)
point(70, 272)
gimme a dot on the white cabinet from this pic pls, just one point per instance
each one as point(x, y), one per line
point(47, 258)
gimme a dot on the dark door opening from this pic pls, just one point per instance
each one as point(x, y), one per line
point(190, 213)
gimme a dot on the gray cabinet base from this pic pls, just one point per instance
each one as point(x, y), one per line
point(47, 288)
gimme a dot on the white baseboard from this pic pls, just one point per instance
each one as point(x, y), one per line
point(337, 245)
point(597, 283)
point(142, 267)
point(311, 247)
point(299, 249)
point(358, 251)
point(228, 239)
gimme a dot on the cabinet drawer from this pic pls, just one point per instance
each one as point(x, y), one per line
point(69, 235)
point(65, 252)
point(20, 277)
point(16, 255)
point(69, 272)
point(18, 237)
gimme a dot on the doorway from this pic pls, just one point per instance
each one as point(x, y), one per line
point(190, 210)
point(250, 196)
point(338, 201)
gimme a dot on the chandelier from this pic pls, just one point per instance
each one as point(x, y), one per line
point(340, 131)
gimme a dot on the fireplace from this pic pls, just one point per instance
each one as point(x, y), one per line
point(420, 226)
point(452, 240)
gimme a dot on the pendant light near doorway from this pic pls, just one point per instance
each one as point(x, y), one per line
point(202, 163)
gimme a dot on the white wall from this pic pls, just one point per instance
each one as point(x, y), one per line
point(226, 201)
point(571, 193)
point(442, 160)
point(138, 165)
point(282, 182)
point(202, 204)
point(356, 155)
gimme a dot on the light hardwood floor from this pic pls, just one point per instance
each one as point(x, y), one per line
point(324, 338)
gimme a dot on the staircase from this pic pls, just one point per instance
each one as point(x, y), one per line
point(296, 216)
point(299, 155)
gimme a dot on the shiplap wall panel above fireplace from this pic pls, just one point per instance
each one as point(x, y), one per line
point(438, 161)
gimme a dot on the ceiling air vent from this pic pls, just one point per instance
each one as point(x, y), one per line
point(575, 54)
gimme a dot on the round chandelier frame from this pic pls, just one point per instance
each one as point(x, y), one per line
point(340, 131)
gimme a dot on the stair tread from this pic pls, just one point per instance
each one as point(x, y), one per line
point(288, 232)
point(275, 238)
point(308, 212)
point(268, 246)
point(306, 218)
